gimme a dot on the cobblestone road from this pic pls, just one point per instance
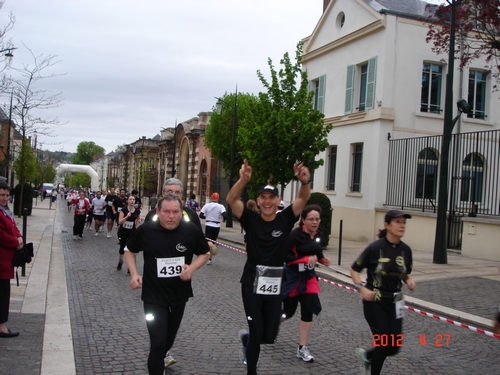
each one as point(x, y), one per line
point(110, 335)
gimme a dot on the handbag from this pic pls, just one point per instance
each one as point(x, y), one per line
point(21, 257)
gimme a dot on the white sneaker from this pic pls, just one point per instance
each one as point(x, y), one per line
point(365, 363)
point(169, 360)
point(75, 237)
point(304, 354)
point(101, 229)
point(209, 262)
point(96, 234)
point(242, 334)
point(109, 235)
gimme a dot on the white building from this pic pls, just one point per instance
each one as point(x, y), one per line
point(377, 81)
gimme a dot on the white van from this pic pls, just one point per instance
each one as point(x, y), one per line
point(48, 188)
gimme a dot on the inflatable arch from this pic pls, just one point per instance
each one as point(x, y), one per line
point(94, 178)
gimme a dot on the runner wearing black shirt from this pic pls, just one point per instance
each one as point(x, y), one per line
point(168, 245)
point(267, 234)
point(110, 213)
point(388, 262)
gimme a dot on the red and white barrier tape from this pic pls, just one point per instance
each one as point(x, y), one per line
point(421, 312)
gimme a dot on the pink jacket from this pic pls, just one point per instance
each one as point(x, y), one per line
point(9, 235)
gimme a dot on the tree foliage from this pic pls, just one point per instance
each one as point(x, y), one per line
point(25, 166)
point(284, 126)
point(477, 32)
point(85, 152)
point(218, 135)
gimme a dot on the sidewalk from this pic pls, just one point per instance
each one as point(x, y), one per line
point(464, 289)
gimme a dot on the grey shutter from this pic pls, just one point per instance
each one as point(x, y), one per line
point(349, 91)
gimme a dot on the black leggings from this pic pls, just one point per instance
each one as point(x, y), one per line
point(4, 300)
point(263, 317)
point(307, 302)
point(381, 319)
point(162, 330)
point(79, 224)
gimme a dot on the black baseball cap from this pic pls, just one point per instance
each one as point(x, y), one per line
point(270, 189)
point(392, 214)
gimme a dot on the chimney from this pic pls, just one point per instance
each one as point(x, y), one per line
point(325, 4)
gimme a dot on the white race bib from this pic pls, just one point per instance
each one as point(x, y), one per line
point(268, 280)
point(399, 302)
point(269, 285)
point(169, 267)
point(119, 209)
point(110, 203)
point(128, 225)
point(303, 267)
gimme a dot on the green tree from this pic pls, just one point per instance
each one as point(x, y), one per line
point(283, 127)
point(85, 152)
point(45, 172)
point(25, 166)
point(477, 31)
point(218, 136)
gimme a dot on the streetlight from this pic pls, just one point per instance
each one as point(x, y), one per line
point(8, 51)
point(440, 255)
point(220, 103)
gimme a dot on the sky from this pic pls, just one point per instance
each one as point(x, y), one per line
point(128, 69)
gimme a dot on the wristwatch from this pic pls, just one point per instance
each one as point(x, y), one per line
point(358, 286)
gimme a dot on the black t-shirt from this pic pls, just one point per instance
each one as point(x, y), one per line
point(300, 244)
point(138, 202)
point(156, 243)
point(191, 216)
point(386, 264)
point(109, 202)
point(129, 224)
point(266, 240)
point(119, 204)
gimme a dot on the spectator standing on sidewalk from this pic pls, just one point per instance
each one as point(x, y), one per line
point(128, 219)
point(267, 236)
point(82, 206)
point(168, 245)
point(300, 283)
point(214, 213)
point(388, 262)
point(11, 240)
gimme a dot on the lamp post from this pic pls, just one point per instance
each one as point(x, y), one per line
point(220, 102)
point(440, 255)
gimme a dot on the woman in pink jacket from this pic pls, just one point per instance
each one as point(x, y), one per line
point(11, 240)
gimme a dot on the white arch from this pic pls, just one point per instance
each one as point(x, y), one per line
point(94, 177)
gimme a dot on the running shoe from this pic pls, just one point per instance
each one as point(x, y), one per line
point(214, 250)
point(243, 335)
point(365, 362)
point(74, 237)
point(209, 262)
point(169, 360)
point(119, 266)
point(304, 354)
point(96, 234)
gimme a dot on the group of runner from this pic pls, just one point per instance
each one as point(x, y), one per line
point(278, 273)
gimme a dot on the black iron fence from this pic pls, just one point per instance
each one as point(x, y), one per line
point(412, 178)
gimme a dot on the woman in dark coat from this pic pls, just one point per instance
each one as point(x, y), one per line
point(11, 240)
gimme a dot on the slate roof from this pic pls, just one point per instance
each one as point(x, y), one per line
point(408, 8)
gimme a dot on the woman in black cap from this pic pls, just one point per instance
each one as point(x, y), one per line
point(388, 262)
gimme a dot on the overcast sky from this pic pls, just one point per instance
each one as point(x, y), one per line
point(134, 67)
